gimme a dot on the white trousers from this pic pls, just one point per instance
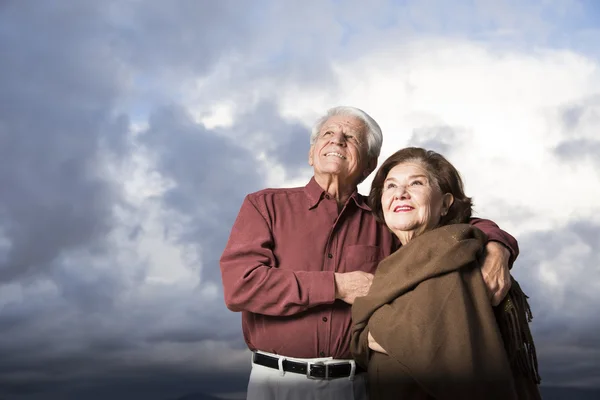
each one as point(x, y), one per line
point(270, 384)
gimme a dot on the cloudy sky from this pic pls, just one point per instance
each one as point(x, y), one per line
point(131, 130)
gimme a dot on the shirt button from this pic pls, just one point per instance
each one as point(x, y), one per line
point(329, 255)
point(322, 354)
point(324, 319)
point(327, 196)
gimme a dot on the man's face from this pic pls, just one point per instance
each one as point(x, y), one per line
point(341, 149)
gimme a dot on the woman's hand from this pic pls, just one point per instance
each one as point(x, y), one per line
point(373, 345)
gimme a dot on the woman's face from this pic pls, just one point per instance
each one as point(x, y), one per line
point(411, 203)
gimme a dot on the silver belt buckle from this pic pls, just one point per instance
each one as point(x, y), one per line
point(320, 363)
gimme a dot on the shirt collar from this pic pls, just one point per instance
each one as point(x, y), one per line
point(315, 194)
point(360, 201)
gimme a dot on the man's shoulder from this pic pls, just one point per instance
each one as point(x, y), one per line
point(264, 194)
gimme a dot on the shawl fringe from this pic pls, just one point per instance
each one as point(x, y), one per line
point(513, 315)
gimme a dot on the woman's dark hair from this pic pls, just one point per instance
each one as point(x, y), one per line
point(441, 173)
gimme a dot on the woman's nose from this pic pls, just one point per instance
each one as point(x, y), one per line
point(401, 193)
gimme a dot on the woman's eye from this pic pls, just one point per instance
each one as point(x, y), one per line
point(348, 137)
point(415, 183)
point(390, 185)
point(327, 133)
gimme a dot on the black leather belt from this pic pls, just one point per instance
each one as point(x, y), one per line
point(316, 370)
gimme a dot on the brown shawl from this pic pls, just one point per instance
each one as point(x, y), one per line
point(429, 309)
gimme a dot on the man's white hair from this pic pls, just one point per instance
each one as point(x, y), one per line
point(374, 135)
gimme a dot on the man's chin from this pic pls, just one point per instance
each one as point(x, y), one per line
point(332, 170)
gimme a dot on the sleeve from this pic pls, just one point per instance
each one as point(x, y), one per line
point(494, 233)
point(444, 335)
point(252, 280)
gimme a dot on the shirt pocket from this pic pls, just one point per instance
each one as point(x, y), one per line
point(361, 258)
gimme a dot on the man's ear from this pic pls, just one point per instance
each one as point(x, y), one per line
point(310, 155)
point(371, 165)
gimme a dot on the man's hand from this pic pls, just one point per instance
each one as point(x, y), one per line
point(373, 345)
point(495, 271)
point(350, 285)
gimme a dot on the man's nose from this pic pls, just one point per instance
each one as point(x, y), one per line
point(338, 138)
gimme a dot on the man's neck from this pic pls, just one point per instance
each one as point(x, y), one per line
point(336, 188)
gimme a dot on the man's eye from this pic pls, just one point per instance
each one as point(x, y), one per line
point(415, 183)
point(348, 137)
point(327, 133)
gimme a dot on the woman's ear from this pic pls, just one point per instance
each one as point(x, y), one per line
point(447, 201)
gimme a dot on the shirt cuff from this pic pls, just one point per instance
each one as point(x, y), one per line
point(500, 240)
point(321, 286)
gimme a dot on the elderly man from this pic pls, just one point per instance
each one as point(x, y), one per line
point(297, 258)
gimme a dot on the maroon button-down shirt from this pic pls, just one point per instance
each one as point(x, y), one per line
point(279, 263)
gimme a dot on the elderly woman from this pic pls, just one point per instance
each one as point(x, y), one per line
point(426, 329)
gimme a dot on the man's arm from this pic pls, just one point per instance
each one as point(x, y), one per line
point(500, 252)
point(350, 285)
point(252, 280)
point(495, 234)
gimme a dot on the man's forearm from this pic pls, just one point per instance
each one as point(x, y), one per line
point(276, 291)
point(495, 234)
